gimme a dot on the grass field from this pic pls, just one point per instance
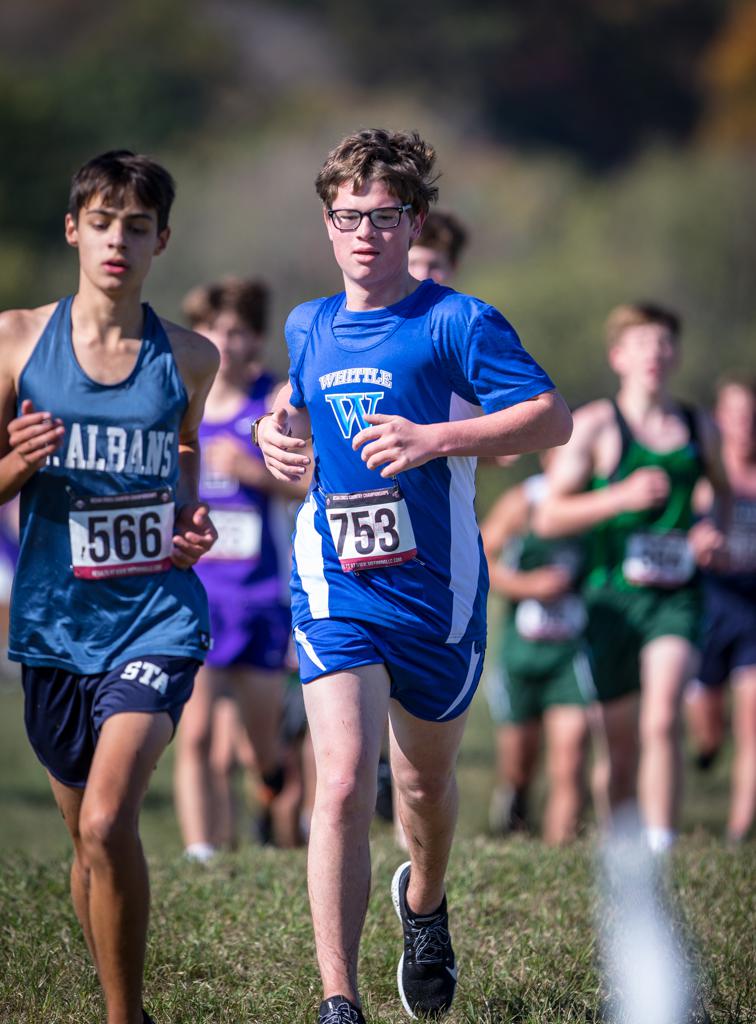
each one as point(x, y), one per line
point(232, 943)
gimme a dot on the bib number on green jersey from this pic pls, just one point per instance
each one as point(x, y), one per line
point(371, 529)
point(121, 534)
point(239, 534)
point(552, 621)
point(658, 559)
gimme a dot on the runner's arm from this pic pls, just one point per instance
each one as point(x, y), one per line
point(194, 534)
point(282, 435)
point(507, 521)
point(28, 439)
point(568, 508)
point(397, 444)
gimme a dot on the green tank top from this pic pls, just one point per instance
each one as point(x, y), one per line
point(648, 548)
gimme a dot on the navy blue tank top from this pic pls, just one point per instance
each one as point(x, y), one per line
point(94, 584)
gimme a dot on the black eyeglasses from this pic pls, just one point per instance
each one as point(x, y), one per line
point(383, 219)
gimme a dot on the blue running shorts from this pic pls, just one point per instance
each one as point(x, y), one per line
point(433, 681)
point(64, 712)
point(729, 634)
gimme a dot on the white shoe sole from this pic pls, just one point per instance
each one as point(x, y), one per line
point(395, 899)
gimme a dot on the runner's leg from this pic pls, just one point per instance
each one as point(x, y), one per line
point(667, 664)
point(346, 712)
point(69, 799)
point(127, 751)
point(619, 719)
point(192, 780)
point(260, 698)
point(743, 798)
point(566, 728)
point(423, 759)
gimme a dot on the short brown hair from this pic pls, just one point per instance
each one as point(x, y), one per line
point(115, 174)
point(636, 314)
point(247, 298)
point(444, 233)
point(737, 378)
point(400, 159)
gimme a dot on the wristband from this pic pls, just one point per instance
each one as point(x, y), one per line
point(256, 425)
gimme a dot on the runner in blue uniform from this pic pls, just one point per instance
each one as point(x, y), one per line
point(401, 385)
point(102, 402)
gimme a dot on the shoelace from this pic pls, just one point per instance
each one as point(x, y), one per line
point(429, 942)
point(342, 1013)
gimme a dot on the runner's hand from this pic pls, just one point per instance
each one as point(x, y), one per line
point(282, 453)
point(194, 535)
point(547, 583)
point(395, 443)
point(709, 546)
point(645, 488)
point(35, 435)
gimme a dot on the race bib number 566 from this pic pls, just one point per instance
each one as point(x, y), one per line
point(121, 534)
point(371, 529)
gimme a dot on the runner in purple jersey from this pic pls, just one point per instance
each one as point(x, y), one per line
point(247, 581)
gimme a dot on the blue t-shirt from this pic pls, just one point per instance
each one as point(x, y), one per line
point(436, 356)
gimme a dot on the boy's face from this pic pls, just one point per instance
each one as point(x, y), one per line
point(238, 345)
point(435, 264)
point(735, 414)
point(116, 243)
point(645, 355)
point(369, 256)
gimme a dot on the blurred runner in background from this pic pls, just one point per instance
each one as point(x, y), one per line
point(543, 681)
point(246, 579)
point(729, 653)
point(438, 249)
point(628, 475)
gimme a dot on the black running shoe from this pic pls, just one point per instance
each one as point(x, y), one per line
point(146, 1019)
point(427, 972)
point(338, 1010)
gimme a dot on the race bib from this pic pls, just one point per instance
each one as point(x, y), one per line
point(239, 534)
point(658, 559)
point(562, 619)
point(121, 534)
point(371, 529)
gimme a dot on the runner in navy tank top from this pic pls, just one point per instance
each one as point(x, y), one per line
point(401, 385)
point(108, 619)
point(729, 647)
point(246, 578)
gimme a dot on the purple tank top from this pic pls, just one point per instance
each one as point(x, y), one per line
point(250, 560)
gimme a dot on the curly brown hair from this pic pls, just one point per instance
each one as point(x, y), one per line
point(400, 159)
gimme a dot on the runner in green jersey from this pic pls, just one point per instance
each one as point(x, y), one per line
point(628, 474)
point(544, 679)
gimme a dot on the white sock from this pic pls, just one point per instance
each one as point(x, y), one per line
point(660, 840)
point(200, 852)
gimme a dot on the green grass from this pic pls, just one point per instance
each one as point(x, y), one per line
point(232, 943)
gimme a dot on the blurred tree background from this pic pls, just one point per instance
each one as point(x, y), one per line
point(598, 150)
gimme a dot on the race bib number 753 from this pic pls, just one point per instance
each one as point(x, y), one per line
point(121, 534)
point(371, 529)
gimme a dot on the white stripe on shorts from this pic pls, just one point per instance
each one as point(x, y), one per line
point(301, 637)
point(474, 659)
point(584, 677)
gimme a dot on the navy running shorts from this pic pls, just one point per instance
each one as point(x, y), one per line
point(64, 712)
point(433, 681)
point(729, 634)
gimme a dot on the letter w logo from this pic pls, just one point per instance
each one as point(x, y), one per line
point(351, 408)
